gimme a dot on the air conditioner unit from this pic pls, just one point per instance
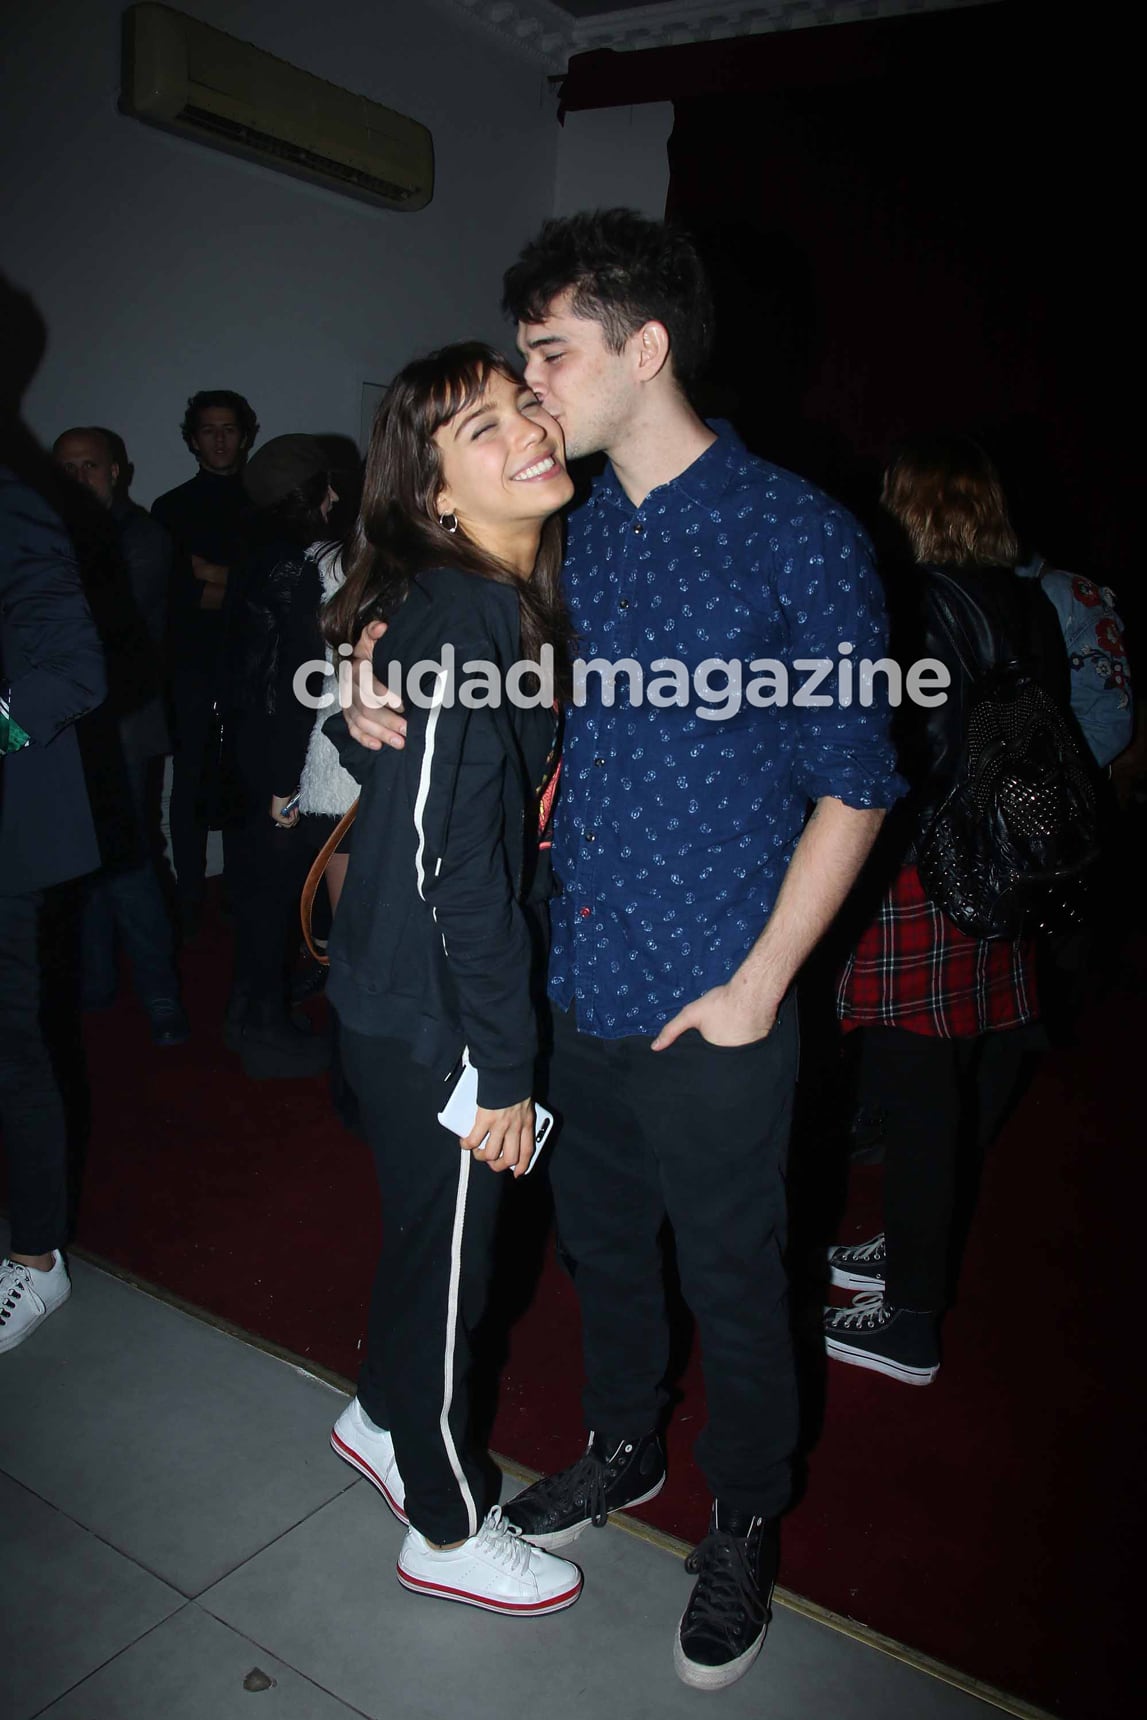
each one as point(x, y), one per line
point(199, 82)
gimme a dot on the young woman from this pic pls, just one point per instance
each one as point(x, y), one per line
point(435, 948)
point(943, 1013)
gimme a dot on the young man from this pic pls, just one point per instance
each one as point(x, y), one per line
point(205, 517)
point(124, 902)
point(693, 888)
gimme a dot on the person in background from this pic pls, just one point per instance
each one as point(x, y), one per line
point(327, 790)
point(205, 517)
point(51, 674)
point(127, 899)
point(274, 632)
point(1101, 694)
point(943, 1013)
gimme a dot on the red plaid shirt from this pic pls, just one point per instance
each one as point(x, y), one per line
point(914, 969)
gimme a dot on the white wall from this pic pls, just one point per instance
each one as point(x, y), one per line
point(161, 266)
point(615, 158)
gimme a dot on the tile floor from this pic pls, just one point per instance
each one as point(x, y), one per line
point(178, 1542)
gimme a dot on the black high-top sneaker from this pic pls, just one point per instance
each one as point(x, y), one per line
point(723, 1628)
point(610, 1477)
point(893, 1341)
point(858, 1265)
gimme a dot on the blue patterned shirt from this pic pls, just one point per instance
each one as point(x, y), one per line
point(673, 829)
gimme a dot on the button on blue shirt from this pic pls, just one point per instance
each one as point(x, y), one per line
point(674, 829)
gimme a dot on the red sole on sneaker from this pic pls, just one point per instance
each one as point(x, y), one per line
point(341, 1449)
point(509, 1609)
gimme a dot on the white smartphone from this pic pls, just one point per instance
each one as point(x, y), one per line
point(461, 1108)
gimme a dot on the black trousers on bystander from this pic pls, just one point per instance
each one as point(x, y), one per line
point(943, 1102)
point(31, 1108)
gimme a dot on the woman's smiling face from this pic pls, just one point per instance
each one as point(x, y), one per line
point(503, 464)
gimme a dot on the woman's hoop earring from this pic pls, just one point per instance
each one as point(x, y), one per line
point(448, 522)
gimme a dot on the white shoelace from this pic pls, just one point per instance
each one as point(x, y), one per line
point(866, 1312)
point(504, 1544)
point(863, 1251)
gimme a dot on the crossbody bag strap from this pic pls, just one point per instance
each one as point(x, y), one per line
point(315, 878)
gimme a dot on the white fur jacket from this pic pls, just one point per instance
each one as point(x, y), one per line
point(326, 788)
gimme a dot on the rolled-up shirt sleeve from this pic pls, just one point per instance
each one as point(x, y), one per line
point(831, 596)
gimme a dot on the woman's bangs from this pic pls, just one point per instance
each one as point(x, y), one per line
point(463, 384)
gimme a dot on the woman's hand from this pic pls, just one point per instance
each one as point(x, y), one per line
point(278, 802)
point(511, 1137)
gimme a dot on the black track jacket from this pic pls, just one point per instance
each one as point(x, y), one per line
point(430, 944)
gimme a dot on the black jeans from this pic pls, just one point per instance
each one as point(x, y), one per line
point(31, 1109)
point(439, 1211)
point(267, 867)
point(943, 1101)
point(699, 1134)
point(125, 905)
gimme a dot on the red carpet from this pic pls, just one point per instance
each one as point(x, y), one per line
point(988, 1520)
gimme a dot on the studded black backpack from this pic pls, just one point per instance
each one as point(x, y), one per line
point(1013, 839)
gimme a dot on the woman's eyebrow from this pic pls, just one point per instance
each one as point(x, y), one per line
point(485, 406)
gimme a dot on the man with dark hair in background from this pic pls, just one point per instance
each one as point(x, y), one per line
point(205, 517)
point(127, 897)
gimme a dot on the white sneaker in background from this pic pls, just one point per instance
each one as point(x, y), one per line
point(370, 1450)
point(27, 1297)
point(494, 1569)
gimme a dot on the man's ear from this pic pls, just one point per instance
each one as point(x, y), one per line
point(651, 349)
point(114, 469)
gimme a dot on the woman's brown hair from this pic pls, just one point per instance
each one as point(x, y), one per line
point(947, 495)
point(398, 535)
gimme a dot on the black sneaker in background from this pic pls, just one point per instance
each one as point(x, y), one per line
point(612, 1477)
point(858, 1265)
point(893, 1341)
point(723, 1628)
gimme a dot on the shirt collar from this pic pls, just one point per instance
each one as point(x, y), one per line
point(704, 482)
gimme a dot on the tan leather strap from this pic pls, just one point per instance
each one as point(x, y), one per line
point(315, 878)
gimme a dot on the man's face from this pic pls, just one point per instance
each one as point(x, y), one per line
point(590, 390)
point(88, 461)
point(218, 440)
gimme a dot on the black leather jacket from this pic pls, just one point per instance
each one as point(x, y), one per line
point(272, 630)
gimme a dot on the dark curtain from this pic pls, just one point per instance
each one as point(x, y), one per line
point(925, 222)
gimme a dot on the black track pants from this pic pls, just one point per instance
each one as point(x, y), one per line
point(439, 1210)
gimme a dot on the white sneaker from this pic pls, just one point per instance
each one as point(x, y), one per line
point(494, 1569)
point(370, 1450)
point(28, 1296)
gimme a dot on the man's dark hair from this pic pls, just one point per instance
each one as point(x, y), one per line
point(232, 402)
point(622, 271)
